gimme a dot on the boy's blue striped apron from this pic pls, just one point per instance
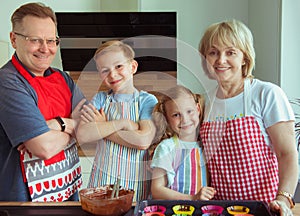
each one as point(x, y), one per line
point(113, 160)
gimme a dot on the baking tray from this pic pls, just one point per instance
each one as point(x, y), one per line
point(257, 208)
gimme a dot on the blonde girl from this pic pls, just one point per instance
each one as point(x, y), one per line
point(178, 163)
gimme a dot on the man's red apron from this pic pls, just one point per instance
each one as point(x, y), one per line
point(241, 164)
point(59, 177)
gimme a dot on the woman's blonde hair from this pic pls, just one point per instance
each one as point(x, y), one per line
point(233, 33)
point(163, 131)
point(114, 46)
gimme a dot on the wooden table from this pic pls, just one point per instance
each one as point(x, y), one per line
point(296, 210)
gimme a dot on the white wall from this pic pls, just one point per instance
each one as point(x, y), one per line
point(4, 50)
point(290, 49)
point(265, 21)
point(290, 56)
point(119, 5)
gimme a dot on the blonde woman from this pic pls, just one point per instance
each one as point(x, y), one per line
point(248, 128)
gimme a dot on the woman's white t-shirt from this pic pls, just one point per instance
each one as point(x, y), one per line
point(269, 105)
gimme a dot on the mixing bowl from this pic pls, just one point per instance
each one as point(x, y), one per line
point(98, 201)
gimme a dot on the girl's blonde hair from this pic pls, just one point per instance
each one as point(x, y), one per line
point(163, 131)
point(115, 46)
point(233, 33)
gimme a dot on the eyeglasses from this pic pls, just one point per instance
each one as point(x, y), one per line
point(35, 41)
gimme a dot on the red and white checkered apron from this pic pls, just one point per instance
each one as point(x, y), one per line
point(241, 164)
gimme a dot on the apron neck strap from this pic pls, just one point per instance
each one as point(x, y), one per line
point(22, 70)
point(176, 140)
point(247, 97)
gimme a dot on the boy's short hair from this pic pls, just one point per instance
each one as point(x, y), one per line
point(115, 45)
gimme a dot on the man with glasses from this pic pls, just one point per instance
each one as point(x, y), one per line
point(39, 41)
point(38, 154)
